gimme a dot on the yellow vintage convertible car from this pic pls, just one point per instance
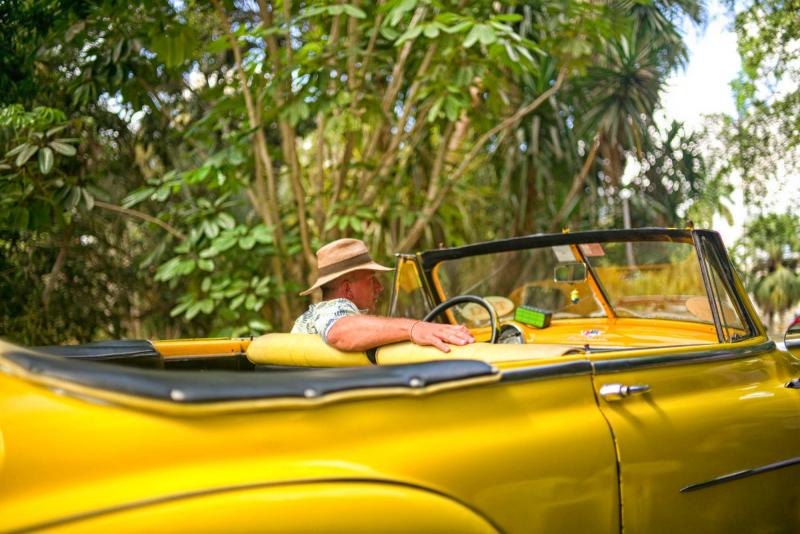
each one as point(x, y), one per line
point(621, 382)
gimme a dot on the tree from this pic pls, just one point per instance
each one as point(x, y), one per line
point(764, 139)
point(770, 248)
point(224, 142)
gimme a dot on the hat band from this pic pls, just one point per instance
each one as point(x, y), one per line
point(355, 261)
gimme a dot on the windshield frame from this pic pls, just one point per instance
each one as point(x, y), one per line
point(428, 260)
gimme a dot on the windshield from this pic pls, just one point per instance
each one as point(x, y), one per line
point(644, 279)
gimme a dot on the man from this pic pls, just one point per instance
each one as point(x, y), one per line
point(350, 290)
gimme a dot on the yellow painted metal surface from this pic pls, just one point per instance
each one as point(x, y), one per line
point(201, 348)
point(605, 332)
point(524, 456)
point(327, 507)
point(698, 422)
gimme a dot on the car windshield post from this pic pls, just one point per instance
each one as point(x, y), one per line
point(595, 283)
point(701, 257)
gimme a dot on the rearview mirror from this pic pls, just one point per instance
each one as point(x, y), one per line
point(570, 272)
point(792, 337)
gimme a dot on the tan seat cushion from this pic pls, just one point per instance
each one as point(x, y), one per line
point(306, 350)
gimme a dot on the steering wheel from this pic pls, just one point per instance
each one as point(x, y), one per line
point(449, 303)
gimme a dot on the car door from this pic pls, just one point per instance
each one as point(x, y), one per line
point(708, 438)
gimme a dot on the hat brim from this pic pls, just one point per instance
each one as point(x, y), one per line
point(369, 266)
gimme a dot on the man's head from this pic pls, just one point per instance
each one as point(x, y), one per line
point(361, 287)
point(346, 268)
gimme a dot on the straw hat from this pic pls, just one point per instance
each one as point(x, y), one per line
point(341, 257)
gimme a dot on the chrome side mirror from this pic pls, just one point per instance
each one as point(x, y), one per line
point(792, 337)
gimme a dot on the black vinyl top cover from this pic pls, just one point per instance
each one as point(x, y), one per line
point(214, 386)
point(103, 350)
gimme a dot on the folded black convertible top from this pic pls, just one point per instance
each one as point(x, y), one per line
point(216, 386)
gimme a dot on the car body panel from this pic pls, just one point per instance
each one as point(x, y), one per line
point(501, 467)
point(723, 412)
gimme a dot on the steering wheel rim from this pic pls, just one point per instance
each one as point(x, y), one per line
point(460, 299)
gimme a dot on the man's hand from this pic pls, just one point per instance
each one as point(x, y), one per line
point(438, 335)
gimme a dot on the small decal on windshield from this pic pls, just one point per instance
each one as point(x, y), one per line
point(564, 253)
point(592, 249)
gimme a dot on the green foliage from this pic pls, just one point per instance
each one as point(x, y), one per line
point(211, 152)
point(770, 250)
point(764, 139)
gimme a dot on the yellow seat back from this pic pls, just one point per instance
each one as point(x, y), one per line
point(305, 350)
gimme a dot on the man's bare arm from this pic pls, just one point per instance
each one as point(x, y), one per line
point(363, 332)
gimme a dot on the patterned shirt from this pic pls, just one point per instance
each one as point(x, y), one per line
point(320, 318)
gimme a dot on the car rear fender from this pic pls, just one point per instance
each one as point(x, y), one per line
point(318, 506)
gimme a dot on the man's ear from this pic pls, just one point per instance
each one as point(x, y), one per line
point(345, 289)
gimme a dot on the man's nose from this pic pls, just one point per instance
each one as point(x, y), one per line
point(378, 286)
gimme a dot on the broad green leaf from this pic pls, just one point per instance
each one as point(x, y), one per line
point(396, 14)
point(63, 148)
point(410, 34)
point(209, 252)
point(354, 12)
point(431, 31)
point(226, 221)
point(186, 266)
point(46, 160)
point(514, 17)
point(218, 45)
point(206, 306)
point(168, 271)
point(205, 285)
point(458, 28)
point(88, 199)
point(235, 303)
point(16, 150)
point(52, 131)
point(247, 242)
point(472, 37)
point(205, 265)
point(433, 114)
point(137, 197)
point(486, 34)
point(390, 34)
point(162, 193)
point(210, 229)
point(259, 326)
point(180, 308)
point(73, 197)
point(193, 310)
point(225, 241)
point(262, 234)
point(452, 108)
point(25, 154)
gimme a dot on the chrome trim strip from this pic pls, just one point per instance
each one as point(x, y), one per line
point(579, 367)
point(627, 364)
point(742, 474)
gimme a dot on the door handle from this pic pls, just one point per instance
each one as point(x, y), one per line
point(616, 392)
point(793, 384)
